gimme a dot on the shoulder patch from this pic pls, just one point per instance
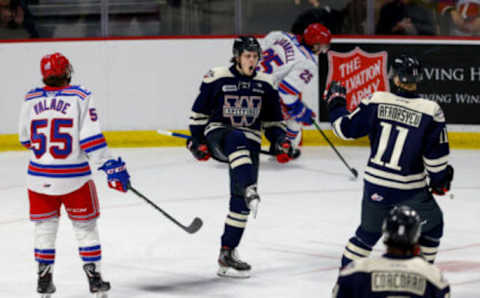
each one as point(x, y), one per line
point(438, 114)
point(216, 73)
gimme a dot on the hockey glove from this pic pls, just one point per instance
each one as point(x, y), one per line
point(199, 150)
point(335, 95)
point(283, 150)
point(117, 175)
point(443, 187)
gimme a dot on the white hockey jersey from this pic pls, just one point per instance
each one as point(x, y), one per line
point(60, 127)
point(293, 66)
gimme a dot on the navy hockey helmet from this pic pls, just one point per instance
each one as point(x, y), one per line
point(246, 43)
point(407, 68)
point(401, 228)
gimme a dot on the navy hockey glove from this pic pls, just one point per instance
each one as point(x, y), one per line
point(283, 150)
point(117, 175)
point(443, 187)
point(335, 95)
point(199, 150)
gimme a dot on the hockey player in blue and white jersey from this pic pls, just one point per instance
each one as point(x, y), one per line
point(235, 103)
point(400, 272)
point(293, 62)
point(59, 124)
point(407, 136)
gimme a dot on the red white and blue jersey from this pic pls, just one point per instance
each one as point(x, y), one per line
point(391, 276)
point(292, 65)
point(60, 127)
point(408, 141)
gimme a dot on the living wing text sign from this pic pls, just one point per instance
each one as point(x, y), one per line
point(362, 73)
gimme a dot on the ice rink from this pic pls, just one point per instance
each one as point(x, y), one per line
point(309, 209)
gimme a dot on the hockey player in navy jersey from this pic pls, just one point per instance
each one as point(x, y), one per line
point(407, 136)
point(59, 124)
point(235, 103)
point(400, 272)
point(292, 60)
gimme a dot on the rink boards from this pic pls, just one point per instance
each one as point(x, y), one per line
point(150, 138)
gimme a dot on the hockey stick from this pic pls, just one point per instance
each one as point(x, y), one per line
point(181, 135)
point(192, 228)
point(352, 170)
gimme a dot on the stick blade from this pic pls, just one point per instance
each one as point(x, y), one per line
point(164, 132)
point(196, 224)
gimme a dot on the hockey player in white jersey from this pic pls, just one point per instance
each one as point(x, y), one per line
point(292, 61)
point(59, 124)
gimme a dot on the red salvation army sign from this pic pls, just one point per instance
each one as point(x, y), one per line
point(362, 73)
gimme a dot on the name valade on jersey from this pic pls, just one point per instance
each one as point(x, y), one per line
point(363, 73)
point(242, 110)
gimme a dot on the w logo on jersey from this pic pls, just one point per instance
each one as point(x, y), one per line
point(242, 110)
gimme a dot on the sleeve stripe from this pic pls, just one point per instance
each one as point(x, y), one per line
point(284, 85)
point(91, 138)
point(93, 143)
point(436, 169)
point(435, 162)
point(26, 144)
point(338, 130)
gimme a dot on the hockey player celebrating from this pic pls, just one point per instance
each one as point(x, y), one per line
point(407, 135)
point(59, 124)
point(398, 273)
point(292, 61)
point(235, 103)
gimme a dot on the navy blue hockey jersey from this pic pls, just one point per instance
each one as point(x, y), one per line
point(230, 99)
point(407, 136)
point(390, 276)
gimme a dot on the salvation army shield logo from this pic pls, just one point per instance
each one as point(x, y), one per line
point(362, 73)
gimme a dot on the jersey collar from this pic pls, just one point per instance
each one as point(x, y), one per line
point(50, 88)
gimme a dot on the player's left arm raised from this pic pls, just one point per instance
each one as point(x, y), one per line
point(346, 125)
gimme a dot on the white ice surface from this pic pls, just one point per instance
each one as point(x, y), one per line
point(309, 209)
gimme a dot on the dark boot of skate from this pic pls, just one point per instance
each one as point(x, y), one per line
point(45, 284)
point(296, 153)
point(230, 264)
point(95, 281)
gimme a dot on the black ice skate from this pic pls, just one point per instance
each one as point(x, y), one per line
point(45, 286)
point(97, 285)
point(296, 153)
point(252, 199)
point(231, 265)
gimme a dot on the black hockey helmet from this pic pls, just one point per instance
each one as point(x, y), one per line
point(246, 43)
point(407, 68)
point(401, 228)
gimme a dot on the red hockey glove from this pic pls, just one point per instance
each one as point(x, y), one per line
point(199, 150)
point(283, 150)
point(442, 188)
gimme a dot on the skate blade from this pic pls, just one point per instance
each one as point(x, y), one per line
point(45, 295)
point(232, 273)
